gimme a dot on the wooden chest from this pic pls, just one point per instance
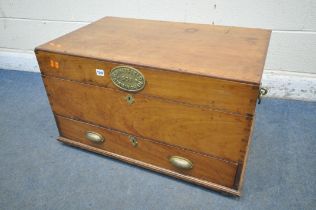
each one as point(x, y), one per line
point(176, 98)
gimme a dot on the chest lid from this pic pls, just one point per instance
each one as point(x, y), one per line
point(231, 53)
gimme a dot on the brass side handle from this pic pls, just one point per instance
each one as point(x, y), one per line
point(94, 137)
point(262, 92)
point(181, 162)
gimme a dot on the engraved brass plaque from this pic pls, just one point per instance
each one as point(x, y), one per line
point(127, 78)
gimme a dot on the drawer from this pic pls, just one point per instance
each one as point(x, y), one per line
point(224, 95)
point(211, 132)
point(160, 157)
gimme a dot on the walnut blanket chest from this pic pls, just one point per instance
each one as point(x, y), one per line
point(176, 98)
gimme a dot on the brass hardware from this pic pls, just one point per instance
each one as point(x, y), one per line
point(94, 137)
point(133, 139)
point(181, 162)
point(262, 91)
point(130, 99)
point(127, 78)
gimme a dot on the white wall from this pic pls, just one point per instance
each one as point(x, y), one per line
point(26, 24)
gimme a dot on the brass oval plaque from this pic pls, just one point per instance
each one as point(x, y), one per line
point(127, 78)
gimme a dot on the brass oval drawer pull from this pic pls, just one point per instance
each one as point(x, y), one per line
point(181, 162)
point(94, 137)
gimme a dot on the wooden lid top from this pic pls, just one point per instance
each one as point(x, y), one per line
point(231, 53)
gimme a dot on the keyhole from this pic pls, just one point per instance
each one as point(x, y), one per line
point(129, 99)
point(133, 140)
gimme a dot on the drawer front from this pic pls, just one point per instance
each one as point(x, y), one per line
point(151, 152)
point(228, 96)
point(215, 133)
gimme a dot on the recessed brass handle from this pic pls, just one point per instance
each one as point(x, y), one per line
point(94, 137)
point(181, 162)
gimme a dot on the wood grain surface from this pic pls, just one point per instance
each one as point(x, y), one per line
point(230, 53)
point(218, 94)
point(211, 132)
point(151, 152)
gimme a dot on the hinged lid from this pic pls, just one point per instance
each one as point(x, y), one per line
point(230, 53)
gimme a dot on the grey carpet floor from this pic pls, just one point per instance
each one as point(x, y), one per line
point(37, 172)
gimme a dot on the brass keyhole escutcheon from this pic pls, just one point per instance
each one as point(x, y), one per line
point(130, 99)
point(133, 140)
